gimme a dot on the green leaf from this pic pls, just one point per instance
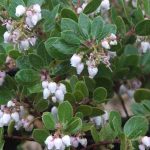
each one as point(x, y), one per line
point(96, 112)
point(41, 105)
point(74, 125)
point(40, 135)
point(36, 61)
point(14, 54)
point(97, 27)
point(78, 95)
point(10, 128)
point(65, 112)
point(5, 95)
point(92, 6)
point(48, 120)
point(108, 29)
point(85, 110)
point(130, 50)
point(100, 94)
point(84, 24)
point(53, 52)
point(70, 97)
point(27, 77)
point(95, 134)
point(32, 2)
point(143, 28)
point(68, 13)
point(136, 126)
point(106, 133)
point(73, 81)
point(115, 121)
point(147, 6)
point(81, 86)
point(64, 47)
point(70, 37)
point(2, 58)
point(69, 24)
point(120, 25)
point(141, 94)
point(22, 62)
point(37, 88)
point(90, 83)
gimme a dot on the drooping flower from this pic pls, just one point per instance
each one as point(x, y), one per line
point(20, 10)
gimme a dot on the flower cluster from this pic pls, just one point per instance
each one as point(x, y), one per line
point(145, 143)
point(2, 77)
point(92, 62)
point(109, 41)
point(100, 120)
point(14, 111)
point(19, 32)
point(56, 91)
point(60, 143)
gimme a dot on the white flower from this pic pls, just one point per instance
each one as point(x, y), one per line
point(1, 81)
point(80, 68)
point(58, 143)
point(106, 116)
point(45, 84)
point(49, 142)
point(16, 35)
point(7, 37)
point(113, 42)
point(134, 3)
point(54, 110)
point(84, 5)
point(10, 104)
point(59, 95)
point(35, 18)
point(1, 114)
point(62, 87)
point(20, 10)
point(46, 93)
point(105, 5)
point(9, 25)
point(97, 120)
point(18, 125)
point(30, 118)
point(6, 118)
point(66, 140)
point(79, 10)
point(113, 37)
point(24, 44)
point(145, 46)
point(83, 141)
point(146, 141)
point(1, 122)
point(15, 116)
point(105, 44)
point(75, 60)
point(74, 142)
point(52, 86)
point(92, 71)
point(29, 22)
point(141, 147)
point(37, 8)
point(54, 100)
point(32, 40)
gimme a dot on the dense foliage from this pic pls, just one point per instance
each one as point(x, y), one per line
point(62, 61)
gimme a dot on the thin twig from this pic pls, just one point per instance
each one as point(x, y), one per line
point(117, 141)
point(123, 104)
point(21, 138)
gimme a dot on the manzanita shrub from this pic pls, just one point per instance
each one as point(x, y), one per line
point(62, 61)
